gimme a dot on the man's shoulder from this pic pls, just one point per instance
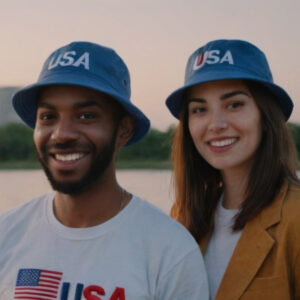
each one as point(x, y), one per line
point(160, 225)
point(23, 211)
point(150, 213)
point(167, 245)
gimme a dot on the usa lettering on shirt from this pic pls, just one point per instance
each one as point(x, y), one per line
point(49, 285)
point(91, 292)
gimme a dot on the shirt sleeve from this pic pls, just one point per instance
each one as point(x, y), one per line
point(186, 280)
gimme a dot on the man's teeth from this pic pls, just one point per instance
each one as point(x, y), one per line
point(69, 157)
point(223, 143)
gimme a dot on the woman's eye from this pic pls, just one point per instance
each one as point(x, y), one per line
point(235, 105)
point(197, 110)
point(200, 109)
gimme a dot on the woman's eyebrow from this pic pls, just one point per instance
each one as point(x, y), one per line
point(201, 100)
point(232, 94)
point(223, 97)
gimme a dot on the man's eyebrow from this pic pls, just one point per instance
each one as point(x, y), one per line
point(234, 93)
point(79, 104)
point(88, 103)
point(41, 104)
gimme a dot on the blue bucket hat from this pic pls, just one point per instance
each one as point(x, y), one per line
point(88, 65)
point(228, 59)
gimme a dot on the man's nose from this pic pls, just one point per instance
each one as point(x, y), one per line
point(64, 131)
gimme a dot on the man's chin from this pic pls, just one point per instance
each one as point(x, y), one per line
point(71, 188)
point(64, 184)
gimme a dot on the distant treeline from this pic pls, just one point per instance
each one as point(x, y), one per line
point(17, 148)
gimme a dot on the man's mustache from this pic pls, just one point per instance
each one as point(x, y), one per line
point(66, 145)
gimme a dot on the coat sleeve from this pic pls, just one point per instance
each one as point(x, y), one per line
point(294, 241)
point(297, 277)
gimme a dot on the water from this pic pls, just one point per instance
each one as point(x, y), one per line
point(17, 187)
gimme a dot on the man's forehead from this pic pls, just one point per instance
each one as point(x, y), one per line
point(76, 96)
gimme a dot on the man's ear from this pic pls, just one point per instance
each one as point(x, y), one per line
point(125, 131)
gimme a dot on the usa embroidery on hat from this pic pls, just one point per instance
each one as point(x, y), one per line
point(212, 57)
point(70, 58)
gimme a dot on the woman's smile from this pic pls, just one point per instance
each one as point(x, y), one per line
point(224, 123)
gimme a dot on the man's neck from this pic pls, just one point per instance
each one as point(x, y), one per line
point(98, 204)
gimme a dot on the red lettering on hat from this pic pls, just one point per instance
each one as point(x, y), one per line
point(118, 294)
point(200, 59)
point(88, 292)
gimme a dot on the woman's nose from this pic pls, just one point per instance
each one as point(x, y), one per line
point(218, 121)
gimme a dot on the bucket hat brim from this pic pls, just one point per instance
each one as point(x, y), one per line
point(25, 100)
point(174, 101)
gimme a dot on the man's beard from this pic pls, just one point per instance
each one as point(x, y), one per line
point(98, 165)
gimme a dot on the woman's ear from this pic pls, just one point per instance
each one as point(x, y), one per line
point(125, 131)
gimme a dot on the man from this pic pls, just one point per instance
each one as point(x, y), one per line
point(90, 239)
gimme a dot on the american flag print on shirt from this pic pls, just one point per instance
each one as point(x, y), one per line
point(36, 284)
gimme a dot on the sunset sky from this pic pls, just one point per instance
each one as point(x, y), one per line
point(154, 38)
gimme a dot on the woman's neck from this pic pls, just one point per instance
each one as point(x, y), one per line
point(235, 185)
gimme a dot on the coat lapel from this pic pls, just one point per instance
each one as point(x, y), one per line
point(254, 245)
point(249, 254)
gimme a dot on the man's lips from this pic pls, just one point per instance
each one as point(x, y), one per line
point(69, 156)
point(67, 161)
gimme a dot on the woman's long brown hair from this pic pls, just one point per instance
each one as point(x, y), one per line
point(198, 185)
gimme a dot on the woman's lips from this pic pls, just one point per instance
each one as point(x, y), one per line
point(221, 144)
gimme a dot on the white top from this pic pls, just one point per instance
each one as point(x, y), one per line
point(220, 246)
point(140, 254)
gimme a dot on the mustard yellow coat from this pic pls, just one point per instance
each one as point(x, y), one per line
point(265, 264)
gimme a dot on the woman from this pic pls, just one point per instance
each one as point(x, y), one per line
point(235, 172)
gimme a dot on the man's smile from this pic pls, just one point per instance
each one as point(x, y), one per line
point(69, 156)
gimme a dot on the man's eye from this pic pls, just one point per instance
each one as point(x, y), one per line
point(46, 116)
point(87, 116)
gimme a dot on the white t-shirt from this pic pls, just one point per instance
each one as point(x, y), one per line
point(220, 246)
point(139, 254)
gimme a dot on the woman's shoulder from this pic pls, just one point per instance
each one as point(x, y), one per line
point(293, 187)
point(291, 205)
point(293, 195)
